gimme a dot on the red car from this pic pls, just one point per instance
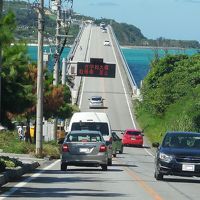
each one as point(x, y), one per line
point(132, 137)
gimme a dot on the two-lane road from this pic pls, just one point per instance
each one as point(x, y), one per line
point(111, 89)
point(131, 177)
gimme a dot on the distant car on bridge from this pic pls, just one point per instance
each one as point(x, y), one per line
point(104, 30)
point(102, 25)
point(106, 43)
point(96, 102)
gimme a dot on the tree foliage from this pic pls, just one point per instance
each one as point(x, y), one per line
point(16, 88)
point(174, 81)
point(57, 101)
point(19, 78)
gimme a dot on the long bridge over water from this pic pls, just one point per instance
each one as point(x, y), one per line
point(119, 91)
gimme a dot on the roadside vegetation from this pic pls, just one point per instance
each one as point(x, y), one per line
point(10, 143)
point(170, 96)
point(19, 81)
point(18, 89)
point(9, 163)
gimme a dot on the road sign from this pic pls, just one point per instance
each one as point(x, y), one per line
point(96, 68)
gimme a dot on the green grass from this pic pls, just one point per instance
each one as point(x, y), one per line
point(10, 143)
point(176, 118)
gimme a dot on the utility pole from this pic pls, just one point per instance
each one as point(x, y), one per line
point(39, 111)
point(57, 57)
point(1, 11)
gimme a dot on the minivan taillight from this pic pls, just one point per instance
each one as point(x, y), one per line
point(65, 148)
point(103, 148)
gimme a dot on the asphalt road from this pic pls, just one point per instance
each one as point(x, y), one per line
point(130, 176)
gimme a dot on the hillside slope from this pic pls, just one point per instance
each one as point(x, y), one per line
point(127, 35)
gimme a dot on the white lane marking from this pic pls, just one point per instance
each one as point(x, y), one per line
point(123, 85)
point(82, 92)
point(21, 184)
point(149, 152)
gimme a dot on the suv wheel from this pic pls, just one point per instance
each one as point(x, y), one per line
point(63, 167)
point(158, 176)
point(104, 167)
point(110, 162)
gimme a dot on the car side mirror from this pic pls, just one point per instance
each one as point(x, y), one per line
point(155, 144)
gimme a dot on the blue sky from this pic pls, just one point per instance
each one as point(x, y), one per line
point(173, 19)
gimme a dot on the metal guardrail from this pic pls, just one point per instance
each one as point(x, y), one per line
point(75, 44)
point(131, 79)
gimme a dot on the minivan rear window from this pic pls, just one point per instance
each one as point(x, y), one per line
point(92, 126)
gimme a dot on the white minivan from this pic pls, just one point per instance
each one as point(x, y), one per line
point(93, 121)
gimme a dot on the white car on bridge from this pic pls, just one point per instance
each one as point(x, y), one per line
point(96, 102)
point(106, 43)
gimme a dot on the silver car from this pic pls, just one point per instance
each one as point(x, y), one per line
point(96, 102)
point(84, 148)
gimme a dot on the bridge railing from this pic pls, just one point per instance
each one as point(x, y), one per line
point(134, 87)
point(75, 44)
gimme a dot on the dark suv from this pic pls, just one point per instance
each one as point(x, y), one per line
point(179, 155)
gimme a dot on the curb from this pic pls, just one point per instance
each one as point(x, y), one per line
point(16, 173)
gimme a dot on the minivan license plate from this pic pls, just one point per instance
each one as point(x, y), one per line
point(188, 168)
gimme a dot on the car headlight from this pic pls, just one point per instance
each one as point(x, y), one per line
point(165, 158)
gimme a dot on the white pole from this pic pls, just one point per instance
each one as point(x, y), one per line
point(64, 67)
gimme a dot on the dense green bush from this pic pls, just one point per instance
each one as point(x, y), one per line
point(10, 143)
point(171, 96)
point(10, 162)
point(170, 79)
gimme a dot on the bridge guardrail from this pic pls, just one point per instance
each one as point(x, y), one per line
point(75, 44)
point(134, 87)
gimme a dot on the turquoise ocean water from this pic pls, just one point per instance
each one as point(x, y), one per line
point(138, 59)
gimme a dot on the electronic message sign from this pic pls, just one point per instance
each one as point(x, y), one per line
point(96, 68)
